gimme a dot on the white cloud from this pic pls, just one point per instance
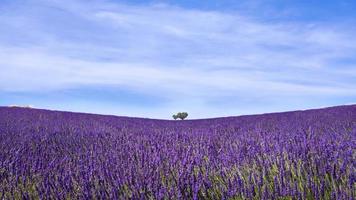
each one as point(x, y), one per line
point(170, 51)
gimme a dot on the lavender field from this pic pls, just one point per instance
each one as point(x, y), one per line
point(293, 155)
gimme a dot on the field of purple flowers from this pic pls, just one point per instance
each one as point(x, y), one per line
point(294, 155)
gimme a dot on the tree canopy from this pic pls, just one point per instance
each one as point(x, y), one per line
point(180, 115)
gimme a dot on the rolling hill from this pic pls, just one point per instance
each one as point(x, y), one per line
point(293, 155)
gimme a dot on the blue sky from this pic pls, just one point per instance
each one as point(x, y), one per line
point(154, 58)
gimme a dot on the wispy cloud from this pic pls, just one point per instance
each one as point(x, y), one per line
point(171, 52)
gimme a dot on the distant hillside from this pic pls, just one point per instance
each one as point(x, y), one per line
point(16, 109)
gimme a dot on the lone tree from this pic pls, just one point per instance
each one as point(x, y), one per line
point(180, 115)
